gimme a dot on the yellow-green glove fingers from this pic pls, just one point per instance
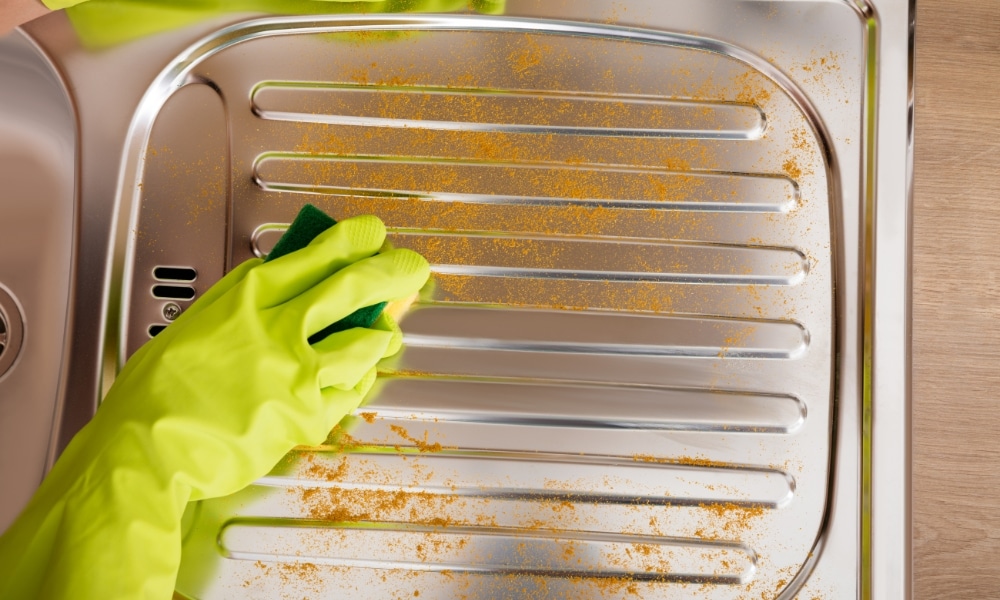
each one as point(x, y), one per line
point(388, 276)
point(346, 356)
point(339, 404)
point(384, 322)
point(346, 242)
point(367, 382)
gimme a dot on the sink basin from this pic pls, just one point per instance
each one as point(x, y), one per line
point(654, 361)
point(38, 210)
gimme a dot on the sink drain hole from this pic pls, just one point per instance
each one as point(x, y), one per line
point(11, 331)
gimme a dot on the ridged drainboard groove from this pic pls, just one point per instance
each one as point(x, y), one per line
point(483, 109)
point(472, 550)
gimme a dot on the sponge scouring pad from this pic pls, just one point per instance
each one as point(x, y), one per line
point(309, 223)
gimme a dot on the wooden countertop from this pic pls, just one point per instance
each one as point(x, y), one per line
point(956, 301)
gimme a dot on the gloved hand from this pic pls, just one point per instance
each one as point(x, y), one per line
point(208, 406)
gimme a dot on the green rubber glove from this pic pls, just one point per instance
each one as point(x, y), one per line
point(103, 23)
point(204, 409)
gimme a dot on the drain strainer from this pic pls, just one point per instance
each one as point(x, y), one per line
point(11, 331)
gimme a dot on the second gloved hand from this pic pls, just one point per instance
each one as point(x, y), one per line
point(204, 409)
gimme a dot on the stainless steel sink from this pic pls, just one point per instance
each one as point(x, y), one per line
point(666, 349)
point(38, 210)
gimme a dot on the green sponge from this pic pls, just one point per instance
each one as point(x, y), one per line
point(309, 223)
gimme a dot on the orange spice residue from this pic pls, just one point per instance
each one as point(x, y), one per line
point(792, 169)
point(342, 441)
point(529, 55)
point(422, 444)
point(692, 461)
point(290, 574)
point(737, 339)
point(732, 518)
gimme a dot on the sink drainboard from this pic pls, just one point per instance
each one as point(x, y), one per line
point(623, 379)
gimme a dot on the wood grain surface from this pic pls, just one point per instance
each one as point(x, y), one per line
point(956, 301)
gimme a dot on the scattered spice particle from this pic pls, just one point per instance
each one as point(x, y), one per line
point(791, 168)
point(694, 461)
point(422, 444)
point(731, 517)
point(528, 55)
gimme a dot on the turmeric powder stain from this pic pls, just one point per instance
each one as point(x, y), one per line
point(792, 169)
point(691, 461)
point(733, 518)
point(422, 444)
point(528, 55)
